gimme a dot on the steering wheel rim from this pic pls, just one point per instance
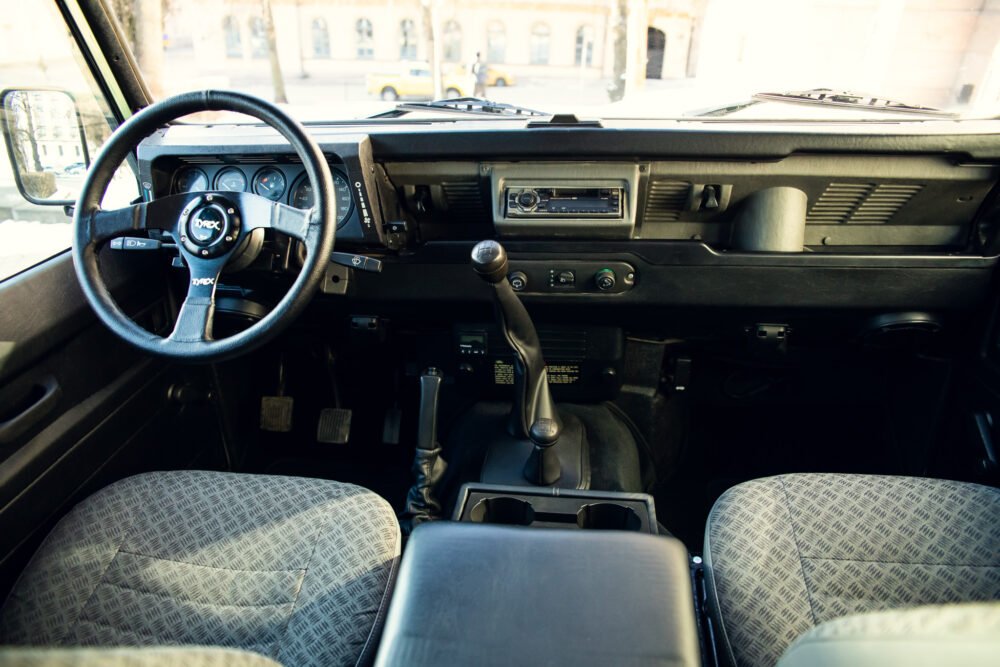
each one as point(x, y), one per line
point(208, 227)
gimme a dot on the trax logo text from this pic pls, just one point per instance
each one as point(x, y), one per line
point(208, 224)
point(202, 281)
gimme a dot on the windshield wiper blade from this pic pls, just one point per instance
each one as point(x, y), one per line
point(828, 97)
point(832, 98)
point(462, 105)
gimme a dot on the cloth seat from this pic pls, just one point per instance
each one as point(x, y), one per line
point(297, 570)
point(785, 554)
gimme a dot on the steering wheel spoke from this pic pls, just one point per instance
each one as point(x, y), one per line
point(162, 214)
point(263, 213)
point(194, 321)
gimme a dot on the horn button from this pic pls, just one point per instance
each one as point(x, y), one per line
point(210, 227)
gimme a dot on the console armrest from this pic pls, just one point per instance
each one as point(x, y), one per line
point(497, 595)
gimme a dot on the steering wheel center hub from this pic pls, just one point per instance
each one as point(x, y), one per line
point(210, 226)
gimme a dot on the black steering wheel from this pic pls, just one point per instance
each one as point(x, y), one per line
point(208, 227)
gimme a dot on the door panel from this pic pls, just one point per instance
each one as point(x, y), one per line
point(111, 416)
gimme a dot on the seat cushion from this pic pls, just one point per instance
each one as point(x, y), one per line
point(186, 656)
point(954, 634)
point(298, 570)
point(786, 553)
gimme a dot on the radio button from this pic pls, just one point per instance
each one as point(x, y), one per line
point(527, 199)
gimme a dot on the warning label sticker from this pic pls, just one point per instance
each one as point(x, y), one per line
point(564, 374)
point(503, 373)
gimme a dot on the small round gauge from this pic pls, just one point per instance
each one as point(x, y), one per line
point(231, 179)
point(302, 195)
point(190, 179)
point(270, 183)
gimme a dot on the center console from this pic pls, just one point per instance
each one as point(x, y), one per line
point(480, 594)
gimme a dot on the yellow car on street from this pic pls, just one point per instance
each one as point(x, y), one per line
point(414, 80)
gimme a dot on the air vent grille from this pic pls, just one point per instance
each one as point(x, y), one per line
point(860, 203)
point(666, 201)
point(557, 345)
point(464, 197)
point(242, 159)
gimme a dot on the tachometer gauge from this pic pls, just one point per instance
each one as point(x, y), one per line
point(303, 197)
point(270, 183)
point(190, 179)
point(231, 179)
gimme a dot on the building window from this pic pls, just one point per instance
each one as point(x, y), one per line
point(365, 39)
point(584, 46)
point(452, 42)
point(540, 33)
point(258, 38)
point(321, 39)
point(234, 41)
point(496, 42)
point(407, 40)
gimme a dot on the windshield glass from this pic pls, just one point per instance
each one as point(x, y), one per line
point(348, 59)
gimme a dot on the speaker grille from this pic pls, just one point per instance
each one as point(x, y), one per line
point(666, 200)
point(860, 203)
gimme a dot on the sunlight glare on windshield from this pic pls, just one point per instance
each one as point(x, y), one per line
point(330, 60)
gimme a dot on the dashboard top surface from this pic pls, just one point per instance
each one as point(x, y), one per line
point(506, 138)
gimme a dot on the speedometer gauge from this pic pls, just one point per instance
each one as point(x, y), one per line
point(270, 183)
point(303, 196)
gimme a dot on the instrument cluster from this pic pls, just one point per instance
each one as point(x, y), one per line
point(287, 184)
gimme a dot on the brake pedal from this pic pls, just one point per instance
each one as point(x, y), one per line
point(334, 426)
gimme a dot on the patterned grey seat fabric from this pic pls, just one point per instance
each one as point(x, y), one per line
point(298, 570)
point(175, 656)
point(784, 554)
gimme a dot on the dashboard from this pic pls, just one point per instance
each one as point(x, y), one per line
point(844, 217)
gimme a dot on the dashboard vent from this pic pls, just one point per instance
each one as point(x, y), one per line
point(243, 159)
point(464, 198)
point(860, 203)
point(666, 200)
point(201, 159)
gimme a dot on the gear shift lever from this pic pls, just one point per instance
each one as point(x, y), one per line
point(532, 401)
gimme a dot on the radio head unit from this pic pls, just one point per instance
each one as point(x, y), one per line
point(569, 199)
point(571, 202)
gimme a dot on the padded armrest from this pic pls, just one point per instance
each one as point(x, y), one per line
point(472, 594)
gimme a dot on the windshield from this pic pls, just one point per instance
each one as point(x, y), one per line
point(349, 59)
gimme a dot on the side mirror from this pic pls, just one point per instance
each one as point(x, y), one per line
point(46, 144)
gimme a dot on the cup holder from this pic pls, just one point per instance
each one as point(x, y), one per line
point(503, 510)
point(608, 516)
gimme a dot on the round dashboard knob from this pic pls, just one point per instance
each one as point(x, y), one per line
point(605, 279)
point(527, 199)
point(518, 281)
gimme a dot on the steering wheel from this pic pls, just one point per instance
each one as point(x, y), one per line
point(207, 227)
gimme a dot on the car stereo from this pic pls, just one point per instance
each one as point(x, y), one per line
point(570, 202)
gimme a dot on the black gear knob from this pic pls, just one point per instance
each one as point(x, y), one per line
point(489, 260)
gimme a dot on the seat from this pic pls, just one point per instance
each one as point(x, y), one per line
point(785, 554)
point(297, 570)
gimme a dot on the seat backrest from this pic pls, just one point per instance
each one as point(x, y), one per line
point(959, 634)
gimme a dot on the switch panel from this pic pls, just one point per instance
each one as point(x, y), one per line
point(571, 277)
